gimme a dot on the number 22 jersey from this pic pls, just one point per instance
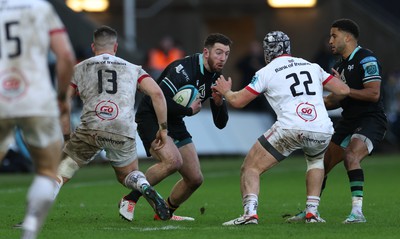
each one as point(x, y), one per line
point(294, 89)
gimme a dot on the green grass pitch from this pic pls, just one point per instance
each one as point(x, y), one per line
point(87, 205)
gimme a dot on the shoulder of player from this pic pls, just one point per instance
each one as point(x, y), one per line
point(365, 55)
point(31, 5)
point(187, 64)
point(188, 61)
point(39, 5)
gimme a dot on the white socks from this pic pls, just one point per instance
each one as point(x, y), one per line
point(40, 199)
point(312, 204)
point(136, 180)
point(58, 186)
point(250, 204)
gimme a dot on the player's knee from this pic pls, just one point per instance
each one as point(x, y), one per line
point(67, 168)
point(315, 164)
point(172, 163)
point(196, 181)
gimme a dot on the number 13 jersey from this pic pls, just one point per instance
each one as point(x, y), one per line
point(107, 86)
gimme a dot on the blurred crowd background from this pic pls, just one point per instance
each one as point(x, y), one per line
point(152, 33)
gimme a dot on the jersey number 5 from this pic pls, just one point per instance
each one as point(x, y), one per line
point(12, 38)
point(294, 89)
point(113, 80)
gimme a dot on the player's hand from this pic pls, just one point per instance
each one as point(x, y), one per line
point(335, 73)
point(222, 85)
point(196, 106)
point(217, 97)
point(65, 109)
point(161, 139)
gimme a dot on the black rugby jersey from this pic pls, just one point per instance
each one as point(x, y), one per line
point(188, 70)
point(359, 68)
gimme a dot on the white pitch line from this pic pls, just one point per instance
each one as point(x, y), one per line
point(145, 229)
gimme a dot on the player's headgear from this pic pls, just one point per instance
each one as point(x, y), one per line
point(275, 43)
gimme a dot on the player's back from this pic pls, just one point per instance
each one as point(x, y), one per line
point(107, 86)
point(25, 84)
point(294, 88)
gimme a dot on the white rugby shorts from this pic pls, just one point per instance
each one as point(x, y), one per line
point(84, 145)
point(37, 131)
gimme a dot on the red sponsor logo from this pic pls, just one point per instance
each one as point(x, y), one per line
point(306, 111)
point(106, 110)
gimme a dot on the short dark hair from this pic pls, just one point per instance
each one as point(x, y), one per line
point(347, 25)
point(104, 31)
point(217, 38)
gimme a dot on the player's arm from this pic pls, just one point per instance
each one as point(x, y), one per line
point(219, 110)
point(371, 92)
point(237, 99)
point(339, 90)
point(150, 87)
point(61, 47)
point(65, 119)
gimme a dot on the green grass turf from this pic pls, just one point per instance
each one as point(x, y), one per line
point(87, 205)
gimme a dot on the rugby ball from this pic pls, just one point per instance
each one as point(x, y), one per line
point(186, 95)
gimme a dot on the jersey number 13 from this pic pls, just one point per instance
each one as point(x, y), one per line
point(111, 78)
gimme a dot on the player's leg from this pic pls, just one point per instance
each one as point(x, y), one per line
point(356, 151)
point(43, 137)
point(371, 131)
point(314, 178)
point(333, 155)
point(314, 151)
point(316, 165)
point(257, 161)
point(191, 180)
point(78, 151)
point(340, 140)
point(123, 158)
point(169, 161)
point(130, 176)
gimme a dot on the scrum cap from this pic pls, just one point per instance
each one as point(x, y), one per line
point(275, 43)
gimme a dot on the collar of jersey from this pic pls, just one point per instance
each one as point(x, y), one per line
point(354, 52)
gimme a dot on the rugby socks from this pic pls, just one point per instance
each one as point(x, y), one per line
point(250, 204)
point(356, 178)
point(40, 198)
point(136, 180)
point(312, 204)
point(134, 195)
point(172, 207)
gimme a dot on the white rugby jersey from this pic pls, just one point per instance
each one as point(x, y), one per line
point(107, 86)
point(25, 83)
point(294, 89)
